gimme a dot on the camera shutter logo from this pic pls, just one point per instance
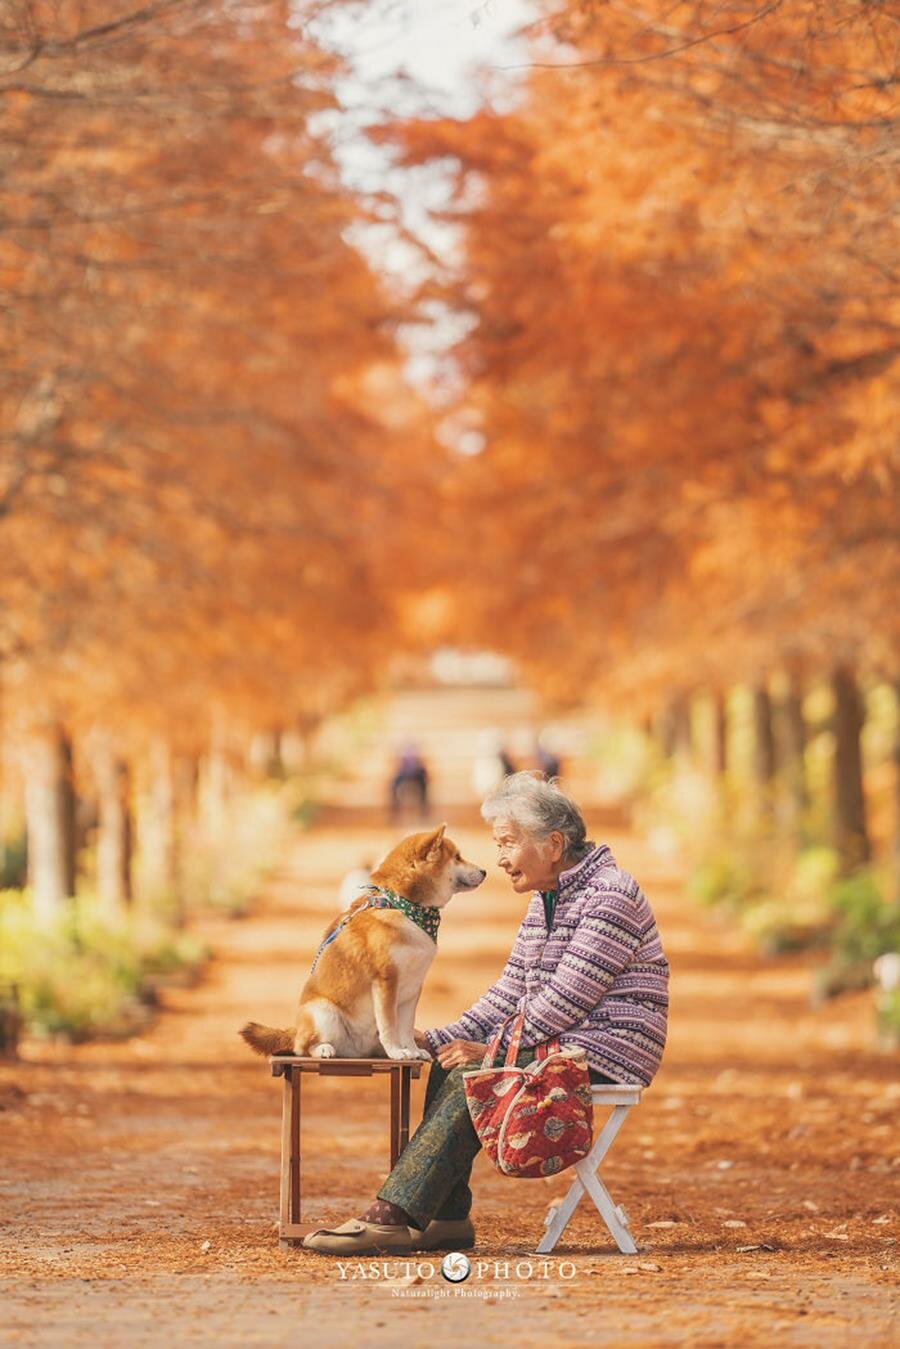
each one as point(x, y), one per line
point(455, 1267)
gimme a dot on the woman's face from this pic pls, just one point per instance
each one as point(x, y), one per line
point(530, 863)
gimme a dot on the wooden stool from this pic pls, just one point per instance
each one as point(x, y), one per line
point(622, 1099)
point(291, 1069)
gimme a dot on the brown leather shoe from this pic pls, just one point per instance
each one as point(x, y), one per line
point(445, 1234)
point(359, 1238)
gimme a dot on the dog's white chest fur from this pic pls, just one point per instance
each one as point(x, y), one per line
point(413, 955)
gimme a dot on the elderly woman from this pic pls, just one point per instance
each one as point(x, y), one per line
point(587, 966)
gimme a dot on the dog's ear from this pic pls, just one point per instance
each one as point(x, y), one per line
point(432, 842)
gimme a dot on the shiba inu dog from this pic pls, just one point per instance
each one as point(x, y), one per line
point(360, 998)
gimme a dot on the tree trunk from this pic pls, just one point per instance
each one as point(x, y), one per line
point(276, 763)
point(683, 729)
point(795, 749)
point(307, 726)
point(720, 734)
point(896, 844)
point(69, 808)
point(851, 835)
point(115, 831)
point(764, 761)
point(49, 819)
point(185, 796)
point(159, 842)
point(187, 786)
point(217, 790)
point(763, 736)
point(665, 732)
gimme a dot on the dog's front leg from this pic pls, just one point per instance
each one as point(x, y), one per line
point(406, 1029)
point(384, 1002)
point(406, 1021)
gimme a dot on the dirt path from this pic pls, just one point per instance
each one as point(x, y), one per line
point(139, 1185)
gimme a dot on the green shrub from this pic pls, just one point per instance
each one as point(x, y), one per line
point(305, 811)
point(726, 877)
point(797, 911)
point(887, 1013)
point(87, 974)
point(13, 862)
point(763, 862)
point(795, 903)
point(867, 924)
point(864, 925)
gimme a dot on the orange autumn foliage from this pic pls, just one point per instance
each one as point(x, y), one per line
point(207, 432)
point(679, 274)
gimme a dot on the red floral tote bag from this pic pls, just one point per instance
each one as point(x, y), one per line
point(536, 1120)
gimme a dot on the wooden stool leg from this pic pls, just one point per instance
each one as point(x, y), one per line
point(404, 1110)
point(395, 1116)
point(289, 1209)
point(284, 1210)
point(296, 1079)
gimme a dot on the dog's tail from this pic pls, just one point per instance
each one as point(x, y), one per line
point(266, 1040)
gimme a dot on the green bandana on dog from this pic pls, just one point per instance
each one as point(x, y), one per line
point(429, 920)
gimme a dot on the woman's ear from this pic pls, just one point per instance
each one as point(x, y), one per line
point(559, 845)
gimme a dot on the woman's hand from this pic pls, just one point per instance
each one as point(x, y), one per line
point(419, 1037)
point(457, 1052)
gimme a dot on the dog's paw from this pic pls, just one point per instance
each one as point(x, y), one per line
point(411, 1052)
point(324, 1051)
point(397, 1052)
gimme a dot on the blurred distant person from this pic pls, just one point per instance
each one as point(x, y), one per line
point(547, 761)
point(492, 764)
point(410, 780)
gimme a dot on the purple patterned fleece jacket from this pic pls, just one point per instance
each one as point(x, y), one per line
point(598, 979)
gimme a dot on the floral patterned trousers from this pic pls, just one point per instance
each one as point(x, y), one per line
point(431, 1177)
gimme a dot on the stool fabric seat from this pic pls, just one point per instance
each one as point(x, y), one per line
point(587, 1180)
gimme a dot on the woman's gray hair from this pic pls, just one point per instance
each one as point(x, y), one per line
point(539, 807)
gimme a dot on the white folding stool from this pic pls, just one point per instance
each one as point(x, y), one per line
point(587, 1178)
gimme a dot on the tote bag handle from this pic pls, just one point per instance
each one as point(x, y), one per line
point(512, 1052)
